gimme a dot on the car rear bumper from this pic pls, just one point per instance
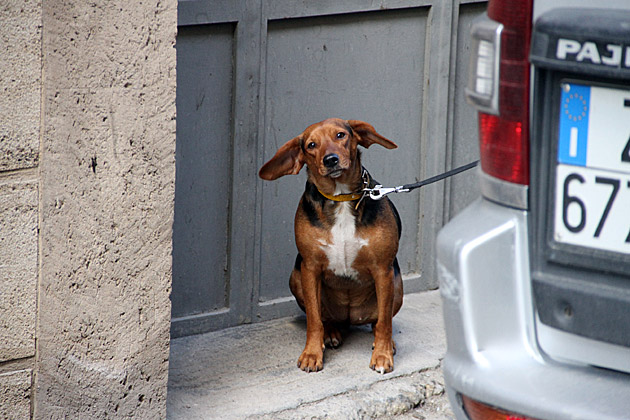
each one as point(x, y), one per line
point(493, 355)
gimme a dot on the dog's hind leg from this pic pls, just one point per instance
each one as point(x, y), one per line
point(295, 282)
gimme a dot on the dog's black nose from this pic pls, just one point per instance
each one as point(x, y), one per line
point(331, 160)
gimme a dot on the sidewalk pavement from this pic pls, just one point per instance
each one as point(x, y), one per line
point(251, 371)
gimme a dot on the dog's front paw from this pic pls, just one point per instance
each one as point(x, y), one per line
point(311, 361)
point(383, 359)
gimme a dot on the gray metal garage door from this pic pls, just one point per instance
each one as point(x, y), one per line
point(251, 75)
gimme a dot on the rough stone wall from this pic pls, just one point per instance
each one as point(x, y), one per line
point(20, 86)
point(15, 394)
point(20, 81)
point(18, 253)
point(107, 177)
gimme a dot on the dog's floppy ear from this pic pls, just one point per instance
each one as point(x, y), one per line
point(288, 160)
point(368, 135)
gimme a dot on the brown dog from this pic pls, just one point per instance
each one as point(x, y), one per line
point(346, 270)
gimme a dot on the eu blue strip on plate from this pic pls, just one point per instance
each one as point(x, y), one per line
point(574, 113)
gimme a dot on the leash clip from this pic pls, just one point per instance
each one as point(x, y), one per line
point(378, 192)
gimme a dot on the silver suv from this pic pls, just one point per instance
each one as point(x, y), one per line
point(535, 275)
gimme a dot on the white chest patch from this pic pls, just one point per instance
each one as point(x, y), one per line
point(344, 244)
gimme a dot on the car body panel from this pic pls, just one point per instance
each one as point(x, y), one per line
point(493, 355)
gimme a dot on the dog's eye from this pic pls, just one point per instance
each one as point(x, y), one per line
point(341, 135)
point(311, 145)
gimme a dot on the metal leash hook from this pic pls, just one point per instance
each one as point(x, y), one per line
point(378, 192)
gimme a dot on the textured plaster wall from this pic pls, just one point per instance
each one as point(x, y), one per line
point(107, 173)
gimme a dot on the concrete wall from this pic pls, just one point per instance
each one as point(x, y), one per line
point(87, 171)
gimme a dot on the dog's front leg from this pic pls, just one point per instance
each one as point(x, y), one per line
point(312, 358)
point(382, 359)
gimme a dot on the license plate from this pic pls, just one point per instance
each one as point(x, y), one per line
point(592, 197)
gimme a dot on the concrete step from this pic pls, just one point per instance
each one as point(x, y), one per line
point(250, 371)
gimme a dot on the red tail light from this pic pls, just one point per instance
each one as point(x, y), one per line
point(504, 148)
point(504, 137)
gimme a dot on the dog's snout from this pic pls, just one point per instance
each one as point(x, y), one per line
point(331, 160)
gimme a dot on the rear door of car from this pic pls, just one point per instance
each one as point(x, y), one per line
point(580, 185)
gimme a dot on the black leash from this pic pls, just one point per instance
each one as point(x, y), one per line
point(379, 192)
point(440, 177)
